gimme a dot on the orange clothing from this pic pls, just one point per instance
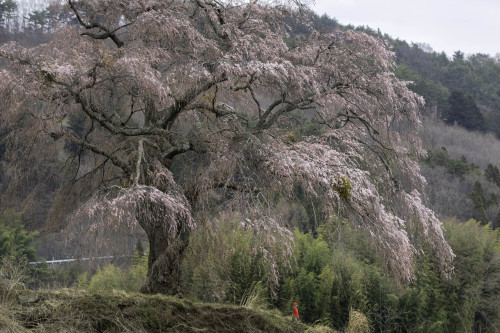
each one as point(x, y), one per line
point(295, 312)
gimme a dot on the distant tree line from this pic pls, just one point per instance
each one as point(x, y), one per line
point(463, 89)
point(34, 28)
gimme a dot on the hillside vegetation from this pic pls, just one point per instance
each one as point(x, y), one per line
point(335, 277)
point(461, 170)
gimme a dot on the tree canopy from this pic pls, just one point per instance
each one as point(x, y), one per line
point(163, 112)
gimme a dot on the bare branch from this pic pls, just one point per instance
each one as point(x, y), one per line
point(95, 149)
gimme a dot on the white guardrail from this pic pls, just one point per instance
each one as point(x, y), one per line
point(61, 261)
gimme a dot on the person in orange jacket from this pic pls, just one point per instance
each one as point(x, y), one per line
point(295, 312)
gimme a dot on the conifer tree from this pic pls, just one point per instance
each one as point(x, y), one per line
point(7, 10)
point(464, 111)
point(492, 174)
point(477, 197)
point(492, 201)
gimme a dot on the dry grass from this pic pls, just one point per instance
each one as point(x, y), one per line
point(13, 275)
point(72, 310)
point(320, 329)
point(9, 324)
point(255, 298)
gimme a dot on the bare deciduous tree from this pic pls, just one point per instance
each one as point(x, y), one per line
point(143, 87)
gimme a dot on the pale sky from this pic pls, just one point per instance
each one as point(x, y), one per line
point(471, 26)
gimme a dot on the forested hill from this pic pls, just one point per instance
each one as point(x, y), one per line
point(465, 89)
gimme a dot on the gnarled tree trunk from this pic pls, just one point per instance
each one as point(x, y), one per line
point(165, 258)
point(164, 213)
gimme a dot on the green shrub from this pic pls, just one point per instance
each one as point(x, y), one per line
point(327, 282)
point(136, 275)
point(83, 280)
point(15, 241)
point(111, 277)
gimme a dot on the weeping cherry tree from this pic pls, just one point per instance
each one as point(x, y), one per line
point(157, 105)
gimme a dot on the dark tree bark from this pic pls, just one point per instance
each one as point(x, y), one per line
point(164, 261)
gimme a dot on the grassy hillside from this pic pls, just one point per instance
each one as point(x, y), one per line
point(71, 310)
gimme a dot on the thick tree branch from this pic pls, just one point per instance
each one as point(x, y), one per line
point(176, 150)
point(268, 118)
point(220, 110)
point(92, 111)
point(180, 104)
point(215, 17)
point(93, 24)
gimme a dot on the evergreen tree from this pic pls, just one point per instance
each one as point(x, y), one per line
point(492, 201)
point(496, 222)
point(477, 197)
point(7, 9)
point(438, 158)
point(459, 167)
point(492, 174)
point(37, 19)
point(464, 111)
